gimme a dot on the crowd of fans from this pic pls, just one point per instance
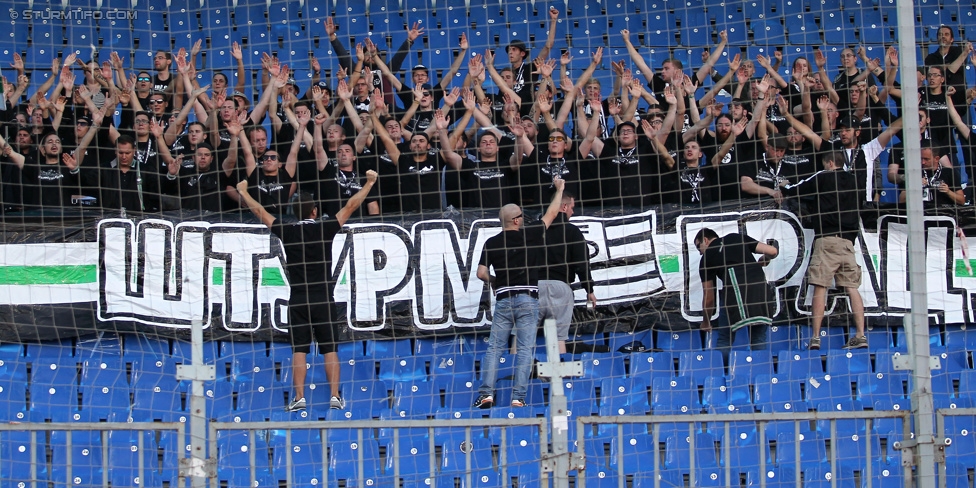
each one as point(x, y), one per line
point(653, 138)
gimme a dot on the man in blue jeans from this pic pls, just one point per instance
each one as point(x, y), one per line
point(516, 254)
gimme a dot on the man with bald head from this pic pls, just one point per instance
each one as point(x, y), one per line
point(516, 254)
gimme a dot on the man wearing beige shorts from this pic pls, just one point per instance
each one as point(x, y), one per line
point(836, 222)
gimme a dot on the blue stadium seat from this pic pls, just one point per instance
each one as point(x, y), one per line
point(778, 394)
point(715, 393)
point(744, 448)
point(388, 348)
point(13, 365)
point(415, 399)
point(749, 364)
point(813, 448)
point(954, 363)
point(86, 458)
point(414, 458)
point(306, 458)
point(828, 388)
point(104, 389)
point(404, 368)
point(506, 366)
point(602, 365)
point(803, 30)
point(257, 400)
point(139, 345)
point(780, 336)
point(830, 337)
point(455, 456)
point(677, 395)
point(778, 477)
point(852, 449)
point(634, 454)
point(344, 462)
point(514, 433)
point(13, 398)
point(821, 476)
point(445, 369)
point(740, 392)
point(733, 21)
point(879, 339)
point(15, 457)
point(53, 389)
point(455, 435)
point(157, 398)
point(367, 396)
point(651, 365)
point(837, 27)
point(798, 364)
point(872, 387)
point(699, 365)
point(461, 393)
point(677, 453)
point(220, 400)
point(620, 396)
point(125, 454)
point(677, 341)
point(258, 369)
point(769, 32)
point(851, 362)
point(660, 24)
point(885, 474)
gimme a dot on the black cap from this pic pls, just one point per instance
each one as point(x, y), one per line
point(517, 44)
point(426, 86)
point(419, 66)
point(84, 118)
point(323, 84)
point(849, 122)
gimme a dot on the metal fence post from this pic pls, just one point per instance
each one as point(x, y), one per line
point(198, 467)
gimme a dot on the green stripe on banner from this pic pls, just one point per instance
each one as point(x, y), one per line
point(669, 263)
point(48, 275)
point(272, 277)
point(962, 272)
point(218, 276)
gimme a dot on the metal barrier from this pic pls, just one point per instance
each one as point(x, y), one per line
point(37, 441)
point(693, 422)
point(539, 423)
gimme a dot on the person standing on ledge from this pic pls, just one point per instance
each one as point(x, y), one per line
point(516, 254)
point(567, 257)
point(311, 311)
point(745, 294)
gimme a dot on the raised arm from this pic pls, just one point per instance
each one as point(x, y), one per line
point(702, 74)
point(557, 201)
point(388, 143)
point(441, 122)
point(356, 200)
point(636, 57)
point(456, 65)
point(256, 208)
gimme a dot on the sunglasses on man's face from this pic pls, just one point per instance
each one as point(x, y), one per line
point(270, 157)
point(144, 78)
point(157, 102)
point(557, 139)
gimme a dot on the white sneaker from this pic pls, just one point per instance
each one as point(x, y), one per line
point(296, 405)
point(336, 403)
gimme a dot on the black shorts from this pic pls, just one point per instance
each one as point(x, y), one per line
point(307, 319)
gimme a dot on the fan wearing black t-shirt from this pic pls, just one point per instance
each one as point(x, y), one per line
point(516, 255)
point(746, 296)
point(308, 245)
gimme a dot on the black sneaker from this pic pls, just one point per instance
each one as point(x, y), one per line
point(857, 342)
point(484, 401)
